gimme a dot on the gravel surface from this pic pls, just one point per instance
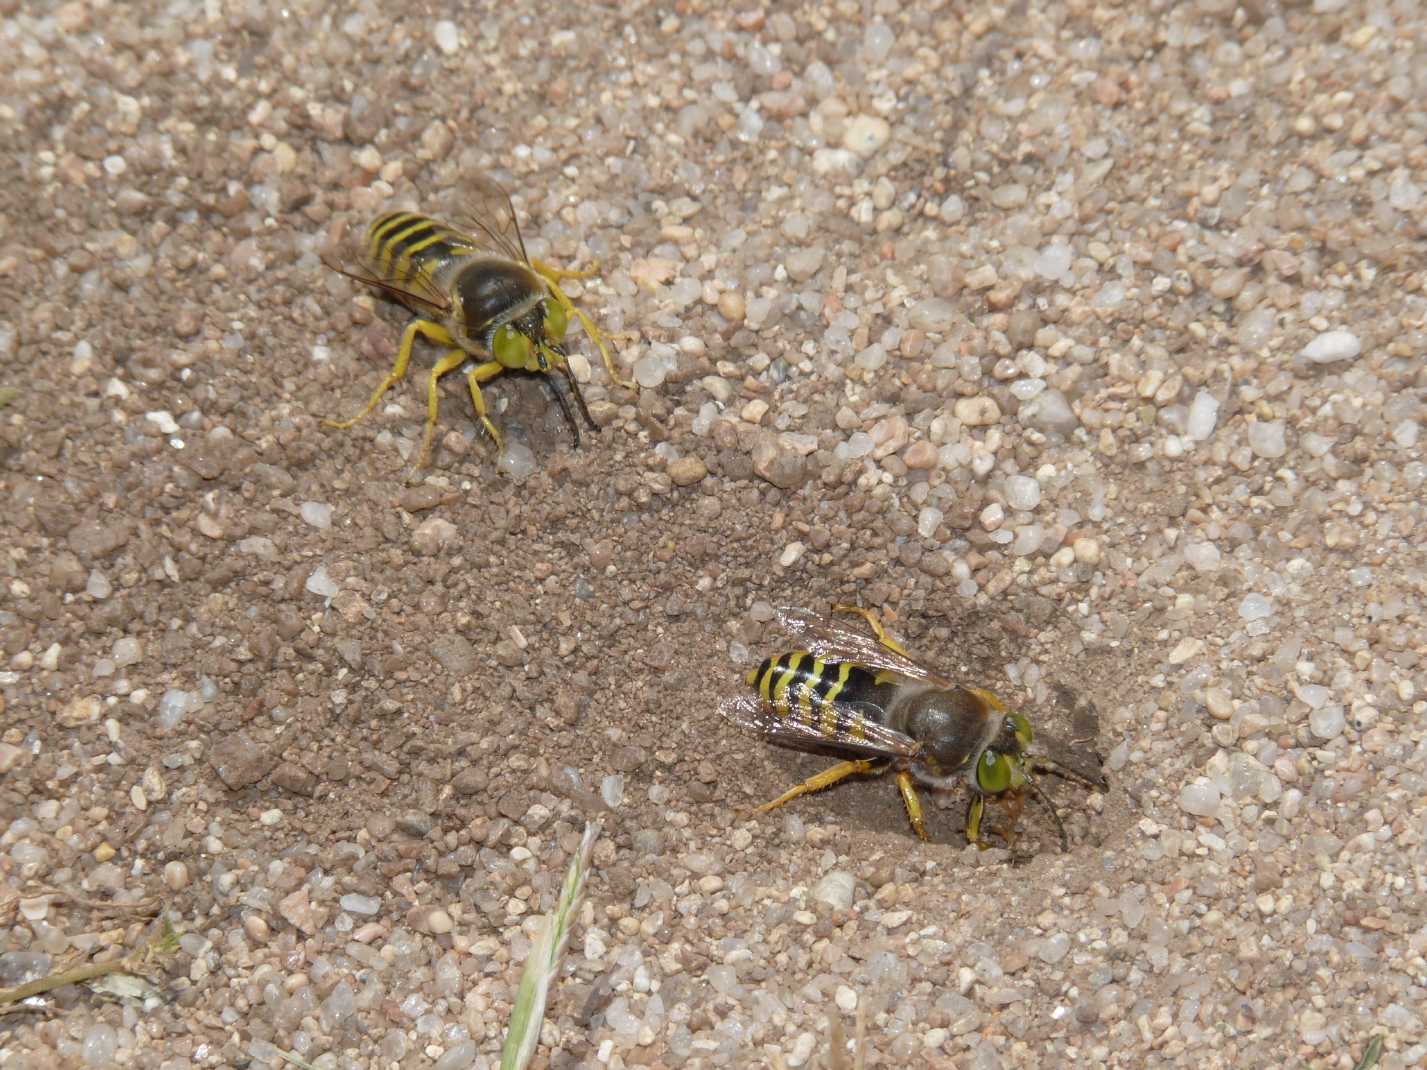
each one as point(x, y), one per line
point(1086, 342)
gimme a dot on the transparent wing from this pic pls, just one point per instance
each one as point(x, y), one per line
point(752, 713)
point(832, 640)
point(349, 257)
point(487, 219)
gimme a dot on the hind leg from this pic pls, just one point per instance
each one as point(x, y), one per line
point(428, 329)
point(826, 779)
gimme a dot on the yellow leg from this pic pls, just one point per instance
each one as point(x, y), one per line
point(449, 363)
point(558, 274)
point(875, 623)
point(973, 820)
point(482, 373)
point(826, 779)
point(1015, 801)
point(908, 787)
point(427, 329)
point(552, 276)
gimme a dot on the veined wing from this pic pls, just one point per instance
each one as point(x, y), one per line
point(832, 640)
point(487, 220)
point(349, 257)
point(869, 737)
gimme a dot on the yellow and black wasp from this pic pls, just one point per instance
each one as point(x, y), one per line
point(477, 294)
point(846, 692)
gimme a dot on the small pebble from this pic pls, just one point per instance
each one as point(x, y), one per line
point(687, 471)
point(977, 411)
point(447, 37)
point(1327, 722)
point(1332, 346)
point(317, 514)
point(866, 134)
point(1267, 439)
point(1023, 493)
point(1200, 798)
point(834, 890)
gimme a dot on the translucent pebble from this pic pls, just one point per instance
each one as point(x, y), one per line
point(859, 444)
point(877, 42)
point(447, 36)
point(1255, 607)
point(173, 706)
point(1202, 556)
point(1327, 722)
point(612, 790)
point(1203, 416)
point(1406, 433)
point(750, 125)
point(1315, 695)
point(1403, 194)
point(127, 651)
point(1053, 261)
point(866, 134)
point(1049, 410)
point(365, 905)
point(1257, 327)
point(723, 980)
point(651, 369)
point(516, 462)
point(928, 520)
point(1267, 439)
point(320, 583)
point(1053, 948)
point(834, 890)
point(932, 314)
point(318, 514)
point(618, 1018)
point(1028, 540)
point(1331, 346)
point(1200, 798)
point(1022, 492)
point(98, 585)
point(457, 1058)
point(99, 1045)
point(761, 61)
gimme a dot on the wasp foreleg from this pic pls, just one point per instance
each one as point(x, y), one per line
point(552, 276)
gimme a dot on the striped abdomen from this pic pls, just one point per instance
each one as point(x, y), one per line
point(404, 245)
point(822, 694)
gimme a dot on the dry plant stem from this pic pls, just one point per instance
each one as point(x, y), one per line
point(88, 972)
point(133, 962)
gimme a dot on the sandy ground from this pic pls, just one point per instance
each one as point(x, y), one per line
point(1086, 342)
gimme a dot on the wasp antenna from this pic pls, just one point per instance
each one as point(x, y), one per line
point(564, 366)
point(1060, 825)
point(565, 410)
point(1067, 772)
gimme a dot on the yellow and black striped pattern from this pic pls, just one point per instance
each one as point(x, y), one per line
point(817, 692)
point(403, 247)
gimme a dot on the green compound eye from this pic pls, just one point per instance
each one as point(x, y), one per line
point(511, 348)
point(1022, 729)
point(993, 772)
point(555, 321)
